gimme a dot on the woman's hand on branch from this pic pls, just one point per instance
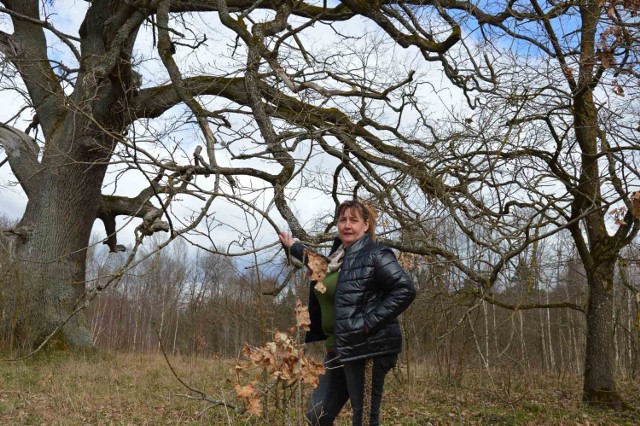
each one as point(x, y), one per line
point(286, 239)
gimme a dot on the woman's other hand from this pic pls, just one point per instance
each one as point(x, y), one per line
point(286, 239)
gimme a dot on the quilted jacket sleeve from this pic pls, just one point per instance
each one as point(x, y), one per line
point(396, 286)
point(297, 251)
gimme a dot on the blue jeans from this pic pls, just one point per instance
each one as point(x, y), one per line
point(344, 381)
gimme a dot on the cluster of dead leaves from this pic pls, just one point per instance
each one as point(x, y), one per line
point(635, 204)
point(303, 320)
point(413, 262)
point(318, 266)
point(408, 261)
point(632, 6)
point(616, 35)
point(284, 362)
point(619, 213)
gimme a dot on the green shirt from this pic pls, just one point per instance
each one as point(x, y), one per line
point(326, 306)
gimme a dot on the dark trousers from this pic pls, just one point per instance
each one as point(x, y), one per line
point(344, 381)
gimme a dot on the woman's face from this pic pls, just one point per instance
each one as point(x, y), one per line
point(351, 226)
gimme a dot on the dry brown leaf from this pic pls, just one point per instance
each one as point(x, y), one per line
point(320, 287)
point(606, 58)
point(632, 5)
point(254, 406)
point(617, 89)
point(245, 391)
point(255, 357)
point(271, 347)
point(246, 350)
point(618, 215)
point(317, 265)
point(280, 337)
point(407, 261)
point(312, 372)
point(303, 320)
point(635, 203)
point(567, 71)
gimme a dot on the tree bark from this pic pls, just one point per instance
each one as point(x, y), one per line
point(50, 271)
point(50, 258)
point(599, 385)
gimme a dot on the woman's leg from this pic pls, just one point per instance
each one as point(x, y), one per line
point(330, 396)
point(365, 382)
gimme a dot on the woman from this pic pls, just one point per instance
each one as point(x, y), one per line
point(365, 289)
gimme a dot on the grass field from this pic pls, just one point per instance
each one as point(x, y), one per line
point(140, 389)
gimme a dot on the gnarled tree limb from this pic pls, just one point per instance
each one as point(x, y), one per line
point(139, 206)
point(29, 55)
point(22, 153)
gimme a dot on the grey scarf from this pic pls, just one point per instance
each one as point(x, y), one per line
point(335, 260)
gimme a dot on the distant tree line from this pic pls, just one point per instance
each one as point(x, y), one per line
point(207, 305)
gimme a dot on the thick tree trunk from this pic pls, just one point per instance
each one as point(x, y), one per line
point(43, 296)
point(49, 263)
point(599, 385)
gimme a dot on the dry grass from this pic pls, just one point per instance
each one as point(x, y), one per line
point(130, 389)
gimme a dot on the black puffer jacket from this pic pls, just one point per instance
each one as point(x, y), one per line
point(372, 291)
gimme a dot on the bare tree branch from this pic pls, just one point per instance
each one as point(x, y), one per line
point(22, 154)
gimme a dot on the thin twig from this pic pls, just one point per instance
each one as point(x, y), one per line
point(202, 396)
